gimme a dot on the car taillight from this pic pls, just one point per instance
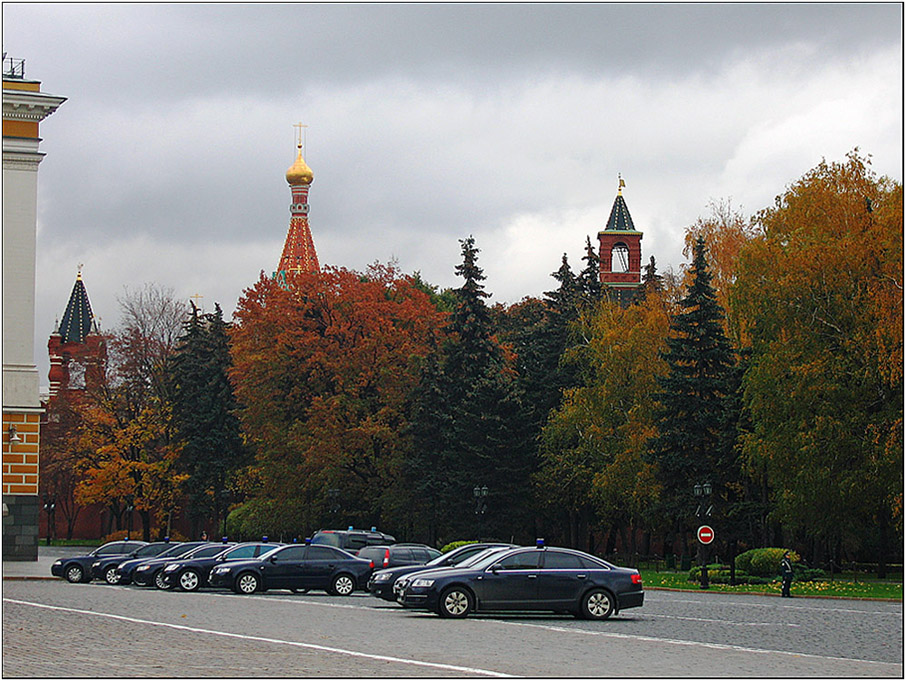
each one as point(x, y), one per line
point(371, 563)
point(637, 578)
point(386, 557)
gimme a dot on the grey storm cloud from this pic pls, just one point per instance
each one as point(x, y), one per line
point(428, 123)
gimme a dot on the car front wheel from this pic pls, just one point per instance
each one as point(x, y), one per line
point(597, 605)
point(75, 574)
point(189, 581)
point(247, 583)
point(111, 576)
point(342, 585)
point(455, 602)
point(159, 581)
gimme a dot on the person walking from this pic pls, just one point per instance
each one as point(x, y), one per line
point(786, 575)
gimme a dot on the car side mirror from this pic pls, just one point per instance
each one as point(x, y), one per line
point(273, 559)
point(495, 567)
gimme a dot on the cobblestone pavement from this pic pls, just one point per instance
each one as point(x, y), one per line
point(56, 629)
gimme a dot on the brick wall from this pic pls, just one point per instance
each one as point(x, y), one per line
point(20, 459)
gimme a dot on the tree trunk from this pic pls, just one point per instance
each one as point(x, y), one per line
point(883, 539)
point(146, 524)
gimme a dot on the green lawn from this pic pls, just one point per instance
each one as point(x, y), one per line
point(838, 588)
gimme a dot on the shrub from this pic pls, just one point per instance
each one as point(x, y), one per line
point(763, 562)
point(720, 574)
point(456, 544)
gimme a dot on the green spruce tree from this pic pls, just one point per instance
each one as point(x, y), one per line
point(696, 423)
point(204, 414)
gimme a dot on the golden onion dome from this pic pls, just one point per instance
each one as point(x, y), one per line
point(299, 172)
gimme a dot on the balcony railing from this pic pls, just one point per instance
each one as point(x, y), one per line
point(13, 68)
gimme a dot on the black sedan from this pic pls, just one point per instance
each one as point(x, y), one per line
point(529, 579)
point(190, 574)
point(382, 581)
point(402, 583)
point(78, 568)
point(105, 566)
point(298, 567)
point(143, 571)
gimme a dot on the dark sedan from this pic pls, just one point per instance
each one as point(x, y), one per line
point(130, 572)
point(402, 583)
point(78, 568)
point(190, 574)
point(529, 579)
point(298, 567)
point(382, 581)
point(105, 566)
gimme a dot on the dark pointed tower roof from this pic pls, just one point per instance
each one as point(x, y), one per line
point(78, 321)
point(620, 220)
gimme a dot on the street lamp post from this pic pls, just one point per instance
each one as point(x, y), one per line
point(50, 505)
point(129, 509)
point(481, 504)
point(703, 511)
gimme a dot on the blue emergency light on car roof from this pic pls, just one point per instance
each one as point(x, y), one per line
point(223, 539)
point(539, 542)
point(308, 540)
point(373, 528)
point(349, 528)
point(264, 539)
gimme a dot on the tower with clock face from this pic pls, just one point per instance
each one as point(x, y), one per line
point(299, 249)
point(620, 252)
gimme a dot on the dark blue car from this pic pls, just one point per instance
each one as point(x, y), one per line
point(190, 574)
point(297, 567)
point(529, 579)
point(105, 566)
point(78, 568)
point(127, 570)
point(382, 581)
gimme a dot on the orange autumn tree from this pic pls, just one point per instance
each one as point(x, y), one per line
point(323, 370)
point(822, 290)
point(126, 450)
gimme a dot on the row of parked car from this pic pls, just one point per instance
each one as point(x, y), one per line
point(483, 576)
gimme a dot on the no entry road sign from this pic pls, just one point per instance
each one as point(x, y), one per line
point(705, 534)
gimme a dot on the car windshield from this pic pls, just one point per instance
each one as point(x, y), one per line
point(175, 550)
point(483, 560)
point(150, 550)
point(329, 538)
point(268, 554)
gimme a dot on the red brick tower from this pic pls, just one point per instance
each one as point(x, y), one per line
point(620, 251)
point(76, 347)
point(299, 250)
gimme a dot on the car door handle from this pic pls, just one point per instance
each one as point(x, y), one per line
point(580, 576)
point(532, 576)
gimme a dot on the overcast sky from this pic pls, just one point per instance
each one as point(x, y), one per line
point(427, 123)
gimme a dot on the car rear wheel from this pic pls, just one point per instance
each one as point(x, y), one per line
point(247, 583)
point(342, 585)
point(159, 581)
point(74, 573)
point(455, 602)
point(189, 581)
point(597, 605)
point(111, 576)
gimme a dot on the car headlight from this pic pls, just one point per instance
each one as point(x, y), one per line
point(58, 562)
point(171, 568)
point(142, 568)
point(419, 583)
point(382, 578)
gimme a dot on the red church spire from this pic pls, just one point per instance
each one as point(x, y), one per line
point(299, 250)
